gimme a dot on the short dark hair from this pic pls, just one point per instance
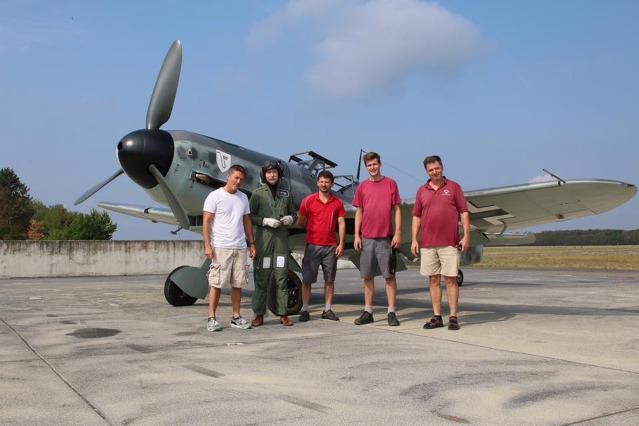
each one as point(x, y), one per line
point(432, 159)
point(325, 174)
point(237, 168)
point(371, 156)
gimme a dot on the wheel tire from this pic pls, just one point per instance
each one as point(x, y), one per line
point(174, 294)
point(460, 277)
point(294, 287)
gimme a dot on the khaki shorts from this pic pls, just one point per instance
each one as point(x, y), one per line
point(440, 260)
point(229, 267)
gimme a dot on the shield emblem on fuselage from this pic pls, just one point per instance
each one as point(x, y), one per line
point(223, 160)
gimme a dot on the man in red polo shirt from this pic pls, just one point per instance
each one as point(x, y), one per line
point(439, 206)
point(321, 214)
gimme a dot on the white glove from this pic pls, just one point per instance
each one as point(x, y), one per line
point(270, 222)
point(287, 220)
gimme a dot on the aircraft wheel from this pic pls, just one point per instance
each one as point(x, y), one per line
point(174, 295)
point(460, 277)
point(294, 287)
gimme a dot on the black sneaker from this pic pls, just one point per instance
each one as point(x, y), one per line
point(392, 319)
point(330, 315)
point(365, 318)
point(304, 316)
point(435, 322)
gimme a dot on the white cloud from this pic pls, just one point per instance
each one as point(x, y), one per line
point(294, 13)
point(369, 47)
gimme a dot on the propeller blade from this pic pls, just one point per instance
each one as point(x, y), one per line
point(176, 207)
point(97, 187)
point(165, 89)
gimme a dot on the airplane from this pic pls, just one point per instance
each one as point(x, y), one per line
point(179, 168)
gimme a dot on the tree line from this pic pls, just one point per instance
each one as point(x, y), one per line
point(23, 218)
point(587, 237)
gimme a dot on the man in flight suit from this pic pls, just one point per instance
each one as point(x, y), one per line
point(272, 211)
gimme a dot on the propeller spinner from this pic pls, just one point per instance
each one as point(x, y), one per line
point(145, 155)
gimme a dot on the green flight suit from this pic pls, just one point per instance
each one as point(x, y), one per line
point(271, 245)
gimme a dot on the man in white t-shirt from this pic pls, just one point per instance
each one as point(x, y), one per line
point(226, 228)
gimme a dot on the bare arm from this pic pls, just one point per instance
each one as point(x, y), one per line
point(248, 231)
point(207, 222)
point(301, 220)
point(465, 241)
point(397, 236)
point(414, 232)
point(357, 242)
point(341, 226)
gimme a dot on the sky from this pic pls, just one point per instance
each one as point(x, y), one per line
point(500, 90)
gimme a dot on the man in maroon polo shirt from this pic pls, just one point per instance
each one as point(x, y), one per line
point(439, 205)
point(321, 214)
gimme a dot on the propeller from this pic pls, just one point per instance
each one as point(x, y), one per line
point(163, 97)
point(97, 187)
point(176, 207)
point(146, 155)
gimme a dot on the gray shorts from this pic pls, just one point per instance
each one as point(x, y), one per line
point(375, 253)
point(314, 256)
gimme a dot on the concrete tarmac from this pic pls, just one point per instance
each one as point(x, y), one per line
point(536, 347)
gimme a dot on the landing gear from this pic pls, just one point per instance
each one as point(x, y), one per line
point(460, 277)
point(174, 295)
point(294, 302)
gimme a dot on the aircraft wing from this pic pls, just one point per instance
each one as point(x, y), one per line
point(523, 206)
point(154, 214)
point(497, 210)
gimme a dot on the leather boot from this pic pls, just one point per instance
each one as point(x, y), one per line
point(257, 321)
point(285, 320)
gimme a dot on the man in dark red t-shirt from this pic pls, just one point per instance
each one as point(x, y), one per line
point(439, 205)
point(377, 201)
point(321, 213)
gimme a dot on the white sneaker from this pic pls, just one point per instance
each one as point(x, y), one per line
point(212, 324)
point(240, 322)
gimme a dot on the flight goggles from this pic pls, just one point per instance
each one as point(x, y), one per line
point(271, 164)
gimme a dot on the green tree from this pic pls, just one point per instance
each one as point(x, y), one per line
point(55, 220)
point(57, 223)
point(15, 206)
point(92, 226)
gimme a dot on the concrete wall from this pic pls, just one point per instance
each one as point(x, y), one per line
point(89, 258)
point(30, 259)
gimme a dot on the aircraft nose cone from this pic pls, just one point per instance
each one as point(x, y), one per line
point(141, 148)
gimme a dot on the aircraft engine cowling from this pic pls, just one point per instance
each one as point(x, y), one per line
point(141, 148)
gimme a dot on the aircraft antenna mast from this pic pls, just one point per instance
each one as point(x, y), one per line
point(359, 162)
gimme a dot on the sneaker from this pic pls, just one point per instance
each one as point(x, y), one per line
point(392, 319)
point(365, 318)
point(304, 316)
point(330, 315)
point(240, 322)
point(212, 324)
point(435, 322)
